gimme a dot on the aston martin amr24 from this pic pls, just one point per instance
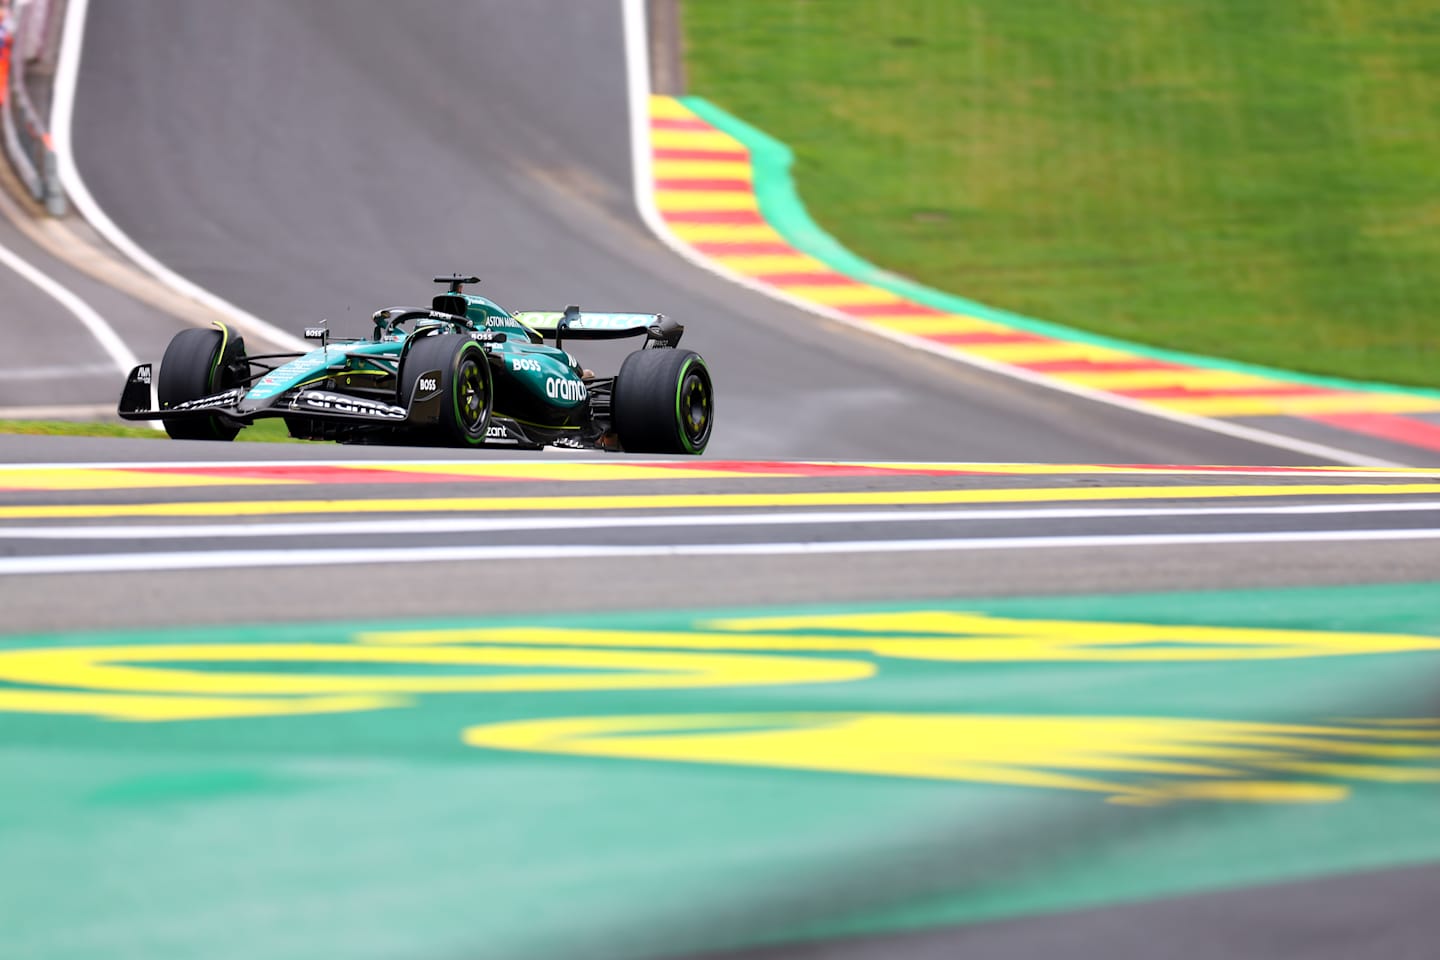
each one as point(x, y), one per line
point(463, 372)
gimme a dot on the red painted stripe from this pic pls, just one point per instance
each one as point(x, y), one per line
point(746, 217)
point(1180, 392)
point(745, 248)
point(976, 338)
point(681, 153)
point(678, 123)
point(1410, 431)
point(1099, 366)
point(716, 184)
point(892, 310)
point(809, 278)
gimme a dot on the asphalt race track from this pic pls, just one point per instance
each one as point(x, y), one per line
point(732, 533)
point(326, 158)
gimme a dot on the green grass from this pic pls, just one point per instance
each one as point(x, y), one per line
point(1248, 179)
point(266, 431)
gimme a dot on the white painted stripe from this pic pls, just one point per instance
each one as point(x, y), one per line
point(392, 556)
point(638, 76)
point(363, 528)
point(91, 320)
point(62, 112)
point(81, 411)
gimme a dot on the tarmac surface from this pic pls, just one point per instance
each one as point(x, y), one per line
point(157, 538)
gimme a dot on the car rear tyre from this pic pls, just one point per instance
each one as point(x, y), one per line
point(663, 402)
point(197, 364)
point(466, 388)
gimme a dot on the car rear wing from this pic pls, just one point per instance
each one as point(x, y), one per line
point(574, 325)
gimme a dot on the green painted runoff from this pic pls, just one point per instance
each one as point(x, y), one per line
point(660, 782)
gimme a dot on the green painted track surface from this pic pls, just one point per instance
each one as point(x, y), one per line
point(379, 832)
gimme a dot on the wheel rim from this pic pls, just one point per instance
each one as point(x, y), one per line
point(470, 397)
point(696, 410)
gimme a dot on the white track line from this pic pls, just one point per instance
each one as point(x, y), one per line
point(62, 113)
point(77, 411)
point(392, 556)
point(637, 64)
point(103, 333)
point(346, 528)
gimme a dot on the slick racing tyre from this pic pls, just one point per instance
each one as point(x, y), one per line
point(663, 402)
point(466, 388)
point(197, 364)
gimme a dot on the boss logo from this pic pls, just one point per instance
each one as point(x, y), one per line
point(429, 385)
point(525, 363)
point(557, 388)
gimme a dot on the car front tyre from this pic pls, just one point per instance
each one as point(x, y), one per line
point(197, 364)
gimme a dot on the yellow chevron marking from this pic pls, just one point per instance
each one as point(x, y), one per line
point(140, 708)
point(668, 108)
point(726, 233)
point(848, 295)
point(149, 669)
point(1132, 760)
point(773, 263)
point(719, 169)
point(933, 326)
point(678, 201)
point(1023, 353)
point(694, 140)
point(944, 636)
point(661, 501)
point(73, 478)
point(1300, 406)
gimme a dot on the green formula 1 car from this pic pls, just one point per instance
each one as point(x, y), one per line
point(465, 373)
